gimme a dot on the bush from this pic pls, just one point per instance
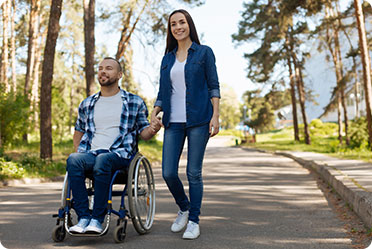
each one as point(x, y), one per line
point(359, 133)
point(14, 117)
point(318, 128)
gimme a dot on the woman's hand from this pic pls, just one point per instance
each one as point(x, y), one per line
point(155, 120)
point(214, 126)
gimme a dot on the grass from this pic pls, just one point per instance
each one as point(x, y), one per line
point(22, 160)
point(281, 140)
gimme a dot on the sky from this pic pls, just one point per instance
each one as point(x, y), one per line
point(215, 22)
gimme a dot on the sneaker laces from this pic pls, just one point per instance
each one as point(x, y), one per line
point(180, 216)
point(190, 227)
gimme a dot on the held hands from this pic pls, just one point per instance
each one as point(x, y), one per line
point(156, 123)
point(214, 126)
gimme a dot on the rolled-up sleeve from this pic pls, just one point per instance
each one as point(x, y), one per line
point(211, 74)
point(142, 121)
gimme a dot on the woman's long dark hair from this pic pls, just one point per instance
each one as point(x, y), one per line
point(171, 41)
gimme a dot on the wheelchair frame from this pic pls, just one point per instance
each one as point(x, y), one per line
point(140, 190)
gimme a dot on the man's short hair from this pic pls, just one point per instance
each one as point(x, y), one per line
point(111, 58)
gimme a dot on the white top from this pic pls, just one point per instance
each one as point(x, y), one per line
point(178, 98)
point(107, 112)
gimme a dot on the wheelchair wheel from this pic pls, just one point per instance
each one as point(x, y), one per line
point(120, 232)
point(141, 194)
point(59, 233)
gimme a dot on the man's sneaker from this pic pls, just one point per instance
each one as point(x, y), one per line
point(80, 226)
point(180, 222)
point(94, 227)
point(192, 231)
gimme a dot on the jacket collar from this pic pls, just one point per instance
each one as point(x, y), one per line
point(194, 46)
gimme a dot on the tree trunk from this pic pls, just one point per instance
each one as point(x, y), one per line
point(342, 82)
point(89, 43)
point(13, 48)
point(32, 36)
point(293, 98)
point(339, 118)
point(301, 97)
point(5, 50)
point(36, 84)
point(366, 66)
point(46, 147)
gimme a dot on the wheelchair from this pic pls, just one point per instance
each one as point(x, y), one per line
point(137, 183)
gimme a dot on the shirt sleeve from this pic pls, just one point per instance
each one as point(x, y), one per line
point(80, 122)
point(142, 121)
point(211, 74)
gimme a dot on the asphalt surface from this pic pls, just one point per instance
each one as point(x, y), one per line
point(251, 200)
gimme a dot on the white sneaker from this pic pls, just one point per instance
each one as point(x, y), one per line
point(180, 222)
point(192, 231)
point(94, 227)
point(80, 226)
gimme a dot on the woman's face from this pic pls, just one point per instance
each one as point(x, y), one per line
point(179, 26)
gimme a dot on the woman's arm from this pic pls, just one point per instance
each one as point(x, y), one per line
point(214, 124)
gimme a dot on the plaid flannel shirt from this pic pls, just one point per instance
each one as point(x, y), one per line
point(132, 122)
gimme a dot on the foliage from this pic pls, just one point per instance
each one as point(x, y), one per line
point(14, 116)
point(359, 133)
point(261, 108)
point(229, 108)
point(318, 128)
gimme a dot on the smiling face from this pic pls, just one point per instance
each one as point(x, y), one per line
point(108, 72)
point(179, 27)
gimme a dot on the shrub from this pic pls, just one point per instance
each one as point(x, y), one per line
point(14, 117)
point(359, 133)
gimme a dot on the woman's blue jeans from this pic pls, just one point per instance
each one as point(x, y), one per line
point(174, 139)
point(102, 165)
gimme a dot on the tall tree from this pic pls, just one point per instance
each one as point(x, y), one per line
point(5, 48)
point(89, 44)
point(32, 38)
point(366, 61)
point(46, 146)
point(13, 47)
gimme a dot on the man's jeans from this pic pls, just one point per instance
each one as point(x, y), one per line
point(174, 139)
point(102, 165)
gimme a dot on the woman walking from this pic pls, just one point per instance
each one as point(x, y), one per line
point(189, 96)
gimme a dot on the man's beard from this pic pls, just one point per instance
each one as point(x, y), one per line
point(109, 82)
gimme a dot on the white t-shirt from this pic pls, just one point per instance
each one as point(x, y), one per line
point(107, 113)
point(178, 98)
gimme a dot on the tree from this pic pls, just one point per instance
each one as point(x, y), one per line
point(229, 108)
point(32, 37)
point(5, 49)
point(46, 146)
point(89, 44)
point(366, 61)
point(13, 47)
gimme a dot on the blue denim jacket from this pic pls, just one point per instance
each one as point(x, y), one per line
point(201, 85)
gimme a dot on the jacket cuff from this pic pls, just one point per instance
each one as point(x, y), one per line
point(158, 103)
point(215, 93)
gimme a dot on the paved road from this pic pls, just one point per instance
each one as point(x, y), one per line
point(251, 200)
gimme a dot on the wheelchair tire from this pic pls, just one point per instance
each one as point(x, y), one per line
point(59, 233)
point(120, 232)
point(141, 194)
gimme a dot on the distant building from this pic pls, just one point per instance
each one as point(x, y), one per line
point(331, 116)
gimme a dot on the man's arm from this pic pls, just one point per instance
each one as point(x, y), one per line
point(76, 139)
point(150, 131)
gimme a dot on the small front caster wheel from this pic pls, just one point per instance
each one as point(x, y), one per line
point(119, 234)
point(59, 233)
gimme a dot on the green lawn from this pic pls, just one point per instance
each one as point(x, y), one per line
point(23, 160)
point(283, 140)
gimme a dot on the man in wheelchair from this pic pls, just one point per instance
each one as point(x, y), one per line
point(105, 138)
